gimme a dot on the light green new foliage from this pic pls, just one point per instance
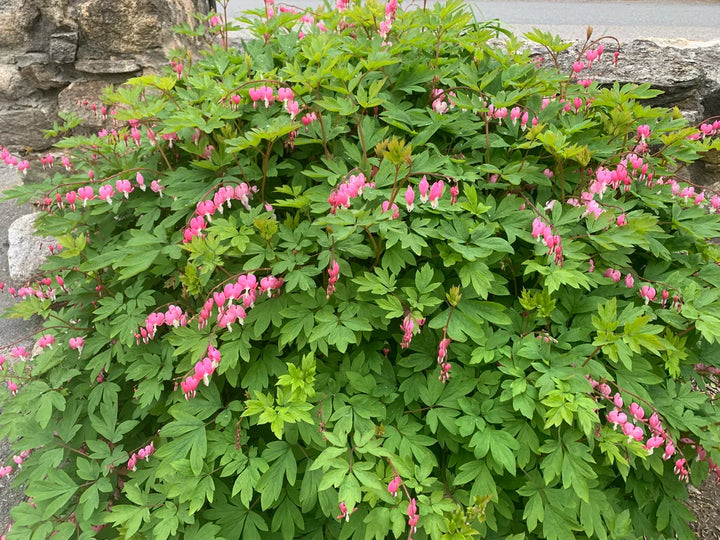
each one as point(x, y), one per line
point(475, 338)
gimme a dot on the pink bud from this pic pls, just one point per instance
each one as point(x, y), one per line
point(409, 198)
point(157, 187)
point(654, 422)
point(71, 197)
point(436, 191)
point(669, 450)
point(393, 486)
point(106, 192)
point(654, 442)
point(293, 108)
point(637, 411)
point(643, 131)
point(77, 343)
point(613, 274)
point(285, 94)
point(423, 187)
point(648, 293)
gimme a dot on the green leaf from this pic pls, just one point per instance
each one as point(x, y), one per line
point(378, 524)
point(188, 436)
point(565, 276)
point(57, 488)
point(130, 517)
point(479, 276)
point(534, 512)
point(247, 480)
point(502, 447)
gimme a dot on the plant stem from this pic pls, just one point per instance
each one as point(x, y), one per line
point(362, 140)
point(592, 355)
point(266, 159)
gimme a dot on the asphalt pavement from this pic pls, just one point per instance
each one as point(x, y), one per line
point(697, 20)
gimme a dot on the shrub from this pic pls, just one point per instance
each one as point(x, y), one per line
point(371, 277)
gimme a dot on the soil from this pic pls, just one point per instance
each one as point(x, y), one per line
point(705, 504)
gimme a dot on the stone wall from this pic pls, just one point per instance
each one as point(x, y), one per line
point(688, 74)
point(63, 50)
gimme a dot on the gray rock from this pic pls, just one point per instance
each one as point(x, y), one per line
point(47, 44)
point(9, 177)
point(26, 252)
point(692, 116)
point(127, 27)
point(17, 18)
point(674, 71)
point(44, 76)
point(70, 99)
point(688, 73)
point(63, 47)
point(237, 37)
point(11, 83)
point(111, 65)
point(22, 127)
point(28, 59)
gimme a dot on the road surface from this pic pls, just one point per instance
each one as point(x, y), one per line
point(698, 20)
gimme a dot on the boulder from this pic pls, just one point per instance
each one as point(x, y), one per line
point(26, 252)
point(71, 99)
point(22, 127)
point(9, 177)
point(676, 72)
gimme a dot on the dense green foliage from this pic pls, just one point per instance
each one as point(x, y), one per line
point(469, 353)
